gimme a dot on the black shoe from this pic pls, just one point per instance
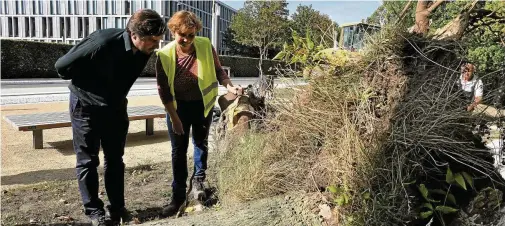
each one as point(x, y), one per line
point(172, 208)
point(99, 220)
point(118, 216)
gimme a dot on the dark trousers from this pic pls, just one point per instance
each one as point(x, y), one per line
point(192, 116)
point(92, 126)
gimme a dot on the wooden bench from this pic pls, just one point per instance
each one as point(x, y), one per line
point(38, 122)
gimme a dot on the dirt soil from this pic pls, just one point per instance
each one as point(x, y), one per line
point(147, 190)
point(293, 209)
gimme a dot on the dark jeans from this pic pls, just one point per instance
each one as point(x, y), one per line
point(191, 115)
point(92, 126)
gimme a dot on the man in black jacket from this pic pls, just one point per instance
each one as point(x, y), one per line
point(103, 68)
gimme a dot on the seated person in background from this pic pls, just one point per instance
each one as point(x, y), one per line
point(473, 88)
point(471, 85)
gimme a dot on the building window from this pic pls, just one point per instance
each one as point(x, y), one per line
point(98, 23)
point(32, 26)
point(27, 27)
point(62, 27)
point(17, 7)
point(105, 22)
point(86, 26)
point(58, 7)
point(34, 8)
point(41, 11)
point(50, 26)
point(94, 7)
point(117, 22)
point(123, 21)
point(127, 7)
point(79, 27)
point(113, 7)
point(44, 27)
point(51, 7)
point(9, 20)
point(76, 8)
point(107, 9)
point(67, 26)
point(16, 26)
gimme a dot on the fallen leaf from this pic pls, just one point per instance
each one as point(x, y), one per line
point(189, 209)
point(136, 221)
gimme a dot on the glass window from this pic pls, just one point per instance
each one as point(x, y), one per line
point(32, 26)
point(44, 27)
point(127, 7)
point(27, 27)
point(9, 21)
point(50, 26)
point(105, 22)
point(80, 29)
point(67, 26)
point(98, 23)
point(62, 27)
point(16, 26)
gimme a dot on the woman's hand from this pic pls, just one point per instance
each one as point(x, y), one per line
point(177, 126)
point(237, 90)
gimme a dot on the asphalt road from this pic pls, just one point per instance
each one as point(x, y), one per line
point(17, 91)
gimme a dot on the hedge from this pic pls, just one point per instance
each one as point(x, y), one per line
point(28, 59)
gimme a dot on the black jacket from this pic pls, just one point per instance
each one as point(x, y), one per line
point(102, 67)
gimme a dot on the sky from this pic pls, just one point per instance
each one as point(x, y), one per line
point(339, 11)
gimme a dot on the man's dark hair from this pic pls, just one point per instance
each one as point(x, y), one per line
point(146, 22)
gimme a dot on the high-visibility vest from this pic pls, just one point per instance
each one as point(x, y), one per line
point(207, 80)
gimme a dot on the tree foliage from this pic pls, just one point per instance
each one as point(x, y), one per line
point(261, 24)
point(320, 26)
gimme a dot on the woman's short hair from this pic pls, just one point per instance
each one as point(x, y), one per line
point(184, 20)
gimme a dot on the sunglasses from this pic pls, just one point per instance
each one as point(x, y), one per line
point(191, 35)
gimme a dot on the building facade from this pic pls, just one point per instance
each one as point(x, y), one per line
point(68, 21)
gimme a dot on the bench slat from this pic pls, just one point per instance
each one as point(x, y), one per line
point(29, 122)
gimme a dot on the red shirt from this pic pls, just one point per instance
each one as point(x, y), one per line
point(186, 77)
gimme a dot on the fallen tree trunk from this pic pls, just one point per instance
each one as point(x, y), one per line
point(455, 29)
point(423, 11)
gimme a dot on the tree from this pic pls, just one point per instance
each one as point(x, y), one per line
point(393, 12)
point(237, 49)
point(261, 24)
point(424, 9)
point(478, 25)
point(306, 19)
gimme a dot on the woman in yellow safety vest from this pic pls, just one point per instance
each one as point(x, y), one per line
point(188, 72)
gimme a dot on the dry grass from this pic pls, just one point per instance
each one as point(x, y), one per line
point(375, 124)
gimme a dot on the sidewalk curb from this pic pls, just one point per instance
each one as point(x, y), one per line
point(61, 81)
point(49, 81)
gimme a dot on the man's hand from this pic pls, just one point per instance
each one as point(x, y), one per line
point(177, 126)
point(470, 107)
point(236, 89)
